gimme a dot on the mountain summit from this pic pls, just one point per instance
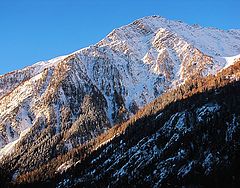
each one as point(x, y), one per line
point(52, 107)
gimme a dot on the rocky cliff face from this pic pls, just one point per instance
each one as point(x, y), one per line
point(53, 106)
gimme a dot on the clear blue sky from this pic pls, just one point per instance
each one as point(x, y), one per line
point(31, 30)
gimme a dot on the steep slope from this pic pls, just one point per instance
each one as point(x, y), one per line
point(51, 107)
point(190, 142)
point(187, 137)
point(195, 144)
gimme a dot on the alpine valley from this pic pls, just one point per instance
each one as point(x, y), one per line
point(155, 103)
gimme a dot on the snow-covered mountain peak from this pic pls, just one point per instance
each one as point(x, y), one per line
point(82, 94)
point(212, 41)
point(140, 33)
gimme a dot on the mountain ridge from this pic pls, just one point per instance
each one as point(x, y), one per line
point(53, 107)
point(236, 31)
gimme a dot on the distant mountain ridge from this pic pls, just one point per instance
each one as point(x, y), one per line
point(54, 106)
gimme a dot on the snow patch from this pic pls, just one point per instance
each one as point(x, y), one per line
point(186, 169)
point(231, 60)
point(9, 148)
point(206, 110)
point(63, 167)
point(231, 129)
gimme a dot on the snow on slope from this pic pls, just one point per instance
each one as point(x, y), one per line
point(137, 62)
point(231, 60)
point(9, 148)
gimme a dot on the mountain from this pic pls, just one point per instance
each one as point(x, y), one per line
point(191, 142)
point(55, 107)
point(188, 137)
